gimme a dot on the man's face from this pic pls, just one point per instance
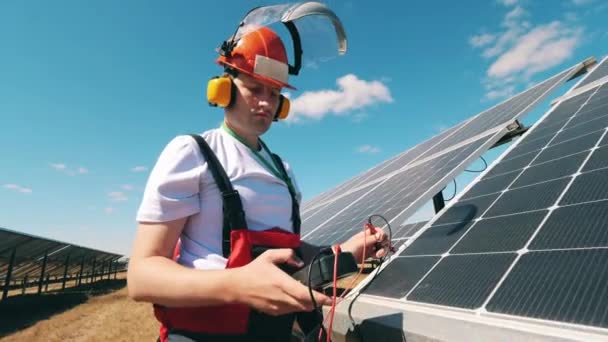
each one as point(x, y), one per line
point(255, 105)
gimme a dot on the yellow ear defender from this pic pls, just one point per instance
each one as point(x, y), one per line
point(221, 92)
point(283, 110)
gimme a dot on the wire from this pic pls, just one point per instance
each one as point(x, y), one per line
point(335, 299)
point(316, 307)
point(485, 166)
point(454, 193)
point(391, 250)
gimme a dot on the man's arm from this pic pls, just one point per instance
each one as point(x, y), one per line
point(153, 277)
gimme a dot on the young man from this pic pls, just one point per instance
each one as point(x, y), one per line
point(208, 292)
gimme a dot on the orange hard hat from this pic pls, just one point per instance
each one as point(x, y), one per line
point(260, 54)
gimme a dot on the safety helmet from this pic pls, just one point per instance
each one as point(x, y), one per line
point(259, 53)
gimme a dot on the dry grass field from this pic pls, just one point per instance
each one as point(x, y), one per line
point(92, 312)
point(100, 312)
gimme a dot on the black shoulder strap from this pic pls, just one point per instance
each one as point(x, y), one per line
point(295, 206)
point(234, 215)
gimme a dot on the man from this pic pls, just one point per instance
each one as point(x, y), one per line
point(215, 288)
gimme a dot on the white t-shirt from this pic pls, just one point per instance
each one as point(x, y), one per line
point(181, 185)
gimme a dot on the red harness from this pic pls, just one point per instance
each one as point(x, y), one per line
point(237, 246)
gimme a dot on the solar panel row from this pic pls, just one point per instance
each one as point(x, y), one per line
point(29, 257)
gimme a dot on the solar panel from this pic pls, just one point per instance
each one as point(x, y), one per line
point(27, 254)
point(530, 237)
point(601, 70)
point(398, 187)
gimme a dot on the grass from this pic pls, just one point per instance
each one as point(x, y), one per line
point(99, 312)
point(91, 312)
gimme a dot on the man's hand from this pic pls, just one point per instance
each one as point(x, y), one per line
point(376, 244)
point(263, 286)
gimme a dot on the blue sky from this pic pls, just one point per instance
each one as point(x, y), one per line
point(90, 92)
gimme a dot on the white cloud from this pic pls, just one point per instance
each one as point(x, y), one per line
point(353, 93)
point(61, 167)
point(520, 49)
point(18, 188)
point(359, 117)
point(482, 40)
point(127, 187)
point(108, 210)
point(117, 196)
point(540, 49)
point(514, 14)
point(500, 93)
point(139, 169)
point(508, 2)
point(368, 149)
point(441, 127)
point(581, 2)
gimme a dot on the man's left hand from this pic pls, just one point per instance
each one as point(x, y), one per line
point(376, 244)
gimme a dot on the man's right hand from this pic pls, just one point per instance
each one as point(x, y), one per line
point(263, 286)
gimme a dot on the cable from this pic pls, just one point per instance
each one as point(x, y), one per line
point(335, 299)
point(453, 194)
point(485, 166)
point(391, 250)
point(316, 307)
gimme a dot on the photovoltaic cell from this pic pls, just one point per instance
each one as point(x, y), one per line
point(552, 169)
point(500, 234)
point(576, 226)
point(598, 160)
point(462, 280)
point(492, 185)
point(398, 280)
point(467, 210)
point(437, 240)
point(568, 286)
point(528, 198)
point(570, 147)
point(590, 186)
point(512, 164)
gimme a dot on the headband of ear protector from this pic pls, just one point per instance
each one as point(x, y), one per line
point(221, 92)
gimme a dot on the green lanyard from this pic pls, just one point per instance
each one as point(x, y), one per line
point(274, 169)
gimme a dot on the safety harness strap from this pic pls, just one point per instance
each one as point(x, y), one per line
point(234, 215)
point(295, 206)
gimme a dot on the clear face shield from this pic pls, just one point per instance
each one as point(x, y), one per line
point(316, 33)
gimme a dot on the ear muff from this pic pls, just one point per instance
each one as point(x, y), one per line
point(220, 91)
point(283, 110)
